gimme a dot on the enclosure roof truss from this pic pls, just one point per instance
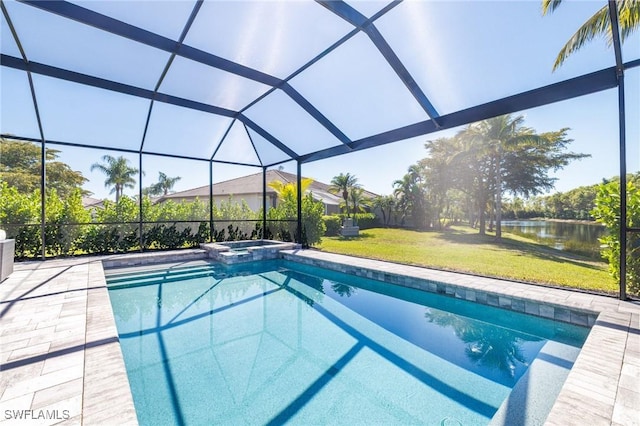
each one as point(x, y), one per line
point(265, 90)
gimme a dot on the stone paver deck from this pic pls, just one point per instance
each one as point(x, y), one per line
point(61, 362)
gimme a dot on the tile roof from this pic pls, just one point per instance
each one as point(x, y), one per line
point(252, 184)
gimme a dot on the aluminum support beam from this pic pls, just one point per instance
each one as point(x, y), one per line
point(624, 227)
point(568, 89)
point(126, 89)
point(355, 18)
point(114, 26)
point(299, 199)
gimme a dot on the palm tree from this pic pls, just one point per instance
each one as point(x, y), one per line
point(598, 25)
point(119, 174)
point(402, 194)
point(163, 186)
point(411, 196)
point(518, 159)
point(386, 204)
point(359, 203)
point(501, 134)
point(344, 183)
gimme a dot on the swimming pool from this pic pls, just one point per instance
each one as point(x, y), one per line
point(277, 341)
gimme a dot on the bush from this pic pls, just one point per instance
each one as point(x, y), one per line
point(366, 220)
point(28, 242)
point(312, 225)
point(282, 223)
point(71, 229)
point(363, 220)
point(105, 239)
point(607, 212)
point(332, 225)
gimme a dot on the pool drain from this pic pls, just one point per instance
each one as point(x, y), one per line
point(448, 421)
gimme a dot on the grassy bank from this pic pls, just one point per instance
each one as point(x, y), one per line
point(463, 249)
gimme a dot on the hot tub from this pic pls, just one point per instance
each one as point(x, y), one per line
point(246, 250)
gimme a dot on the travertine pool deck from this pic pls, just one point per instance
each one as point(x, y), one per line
point(61, 363)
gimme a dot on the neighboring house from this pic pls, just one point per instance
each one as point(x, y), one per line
point(90, 202)
point(249, 188)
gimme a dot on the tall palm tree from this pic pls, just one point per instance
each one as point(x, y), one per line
point(343, 184)
point(598, 25)
point(502, 135)
point(164, 184)
point(119, 174)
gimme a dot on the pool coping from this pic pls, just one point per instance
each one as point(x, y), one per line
point(602, 387)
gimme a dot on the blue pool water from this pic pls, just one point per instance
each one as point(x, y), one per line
point(278, 342)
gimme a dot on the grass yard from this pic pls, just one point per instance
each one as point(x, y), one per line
point(462, 249)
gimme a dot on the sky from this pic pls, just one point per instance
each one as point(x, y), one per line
point(446, 46)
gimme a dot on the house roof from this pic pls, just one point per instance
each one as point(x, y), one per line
point(88, 202)
point(252, 184)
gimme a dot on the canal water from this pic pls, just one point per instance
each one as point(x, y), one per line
point(579, 237)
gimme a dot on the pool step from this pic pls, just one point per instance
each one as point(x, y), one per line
point(144, 281)
point(161, 276)
point(160, 272)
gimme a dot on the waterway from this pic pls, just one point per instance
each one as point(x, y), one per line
point(580, 237)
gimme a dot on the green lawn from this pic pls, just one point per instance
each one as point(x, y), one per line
point(463, 249)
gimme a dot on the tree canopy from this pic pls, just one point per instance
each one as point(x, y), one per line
point(20, 164)
point(487, 159)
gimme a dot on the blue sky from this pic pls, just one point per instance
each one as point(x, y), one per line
point(460, 53)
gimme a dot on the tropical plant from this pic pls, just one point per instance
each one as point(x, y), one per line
point(410, 192)
point(453, 171)
point(607, 212)
point(343, 184)
point(436, 173)
point(597, 26)
point(502, 136)
point(163, 187)
point(62, 215)
point(386, 204)
point(359, 202)
point(289, 191)
point(119, 174)
point(313, 227)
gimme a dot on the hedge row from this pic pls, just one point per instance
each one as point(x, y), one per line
point(106, 239)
